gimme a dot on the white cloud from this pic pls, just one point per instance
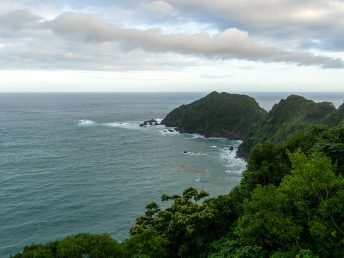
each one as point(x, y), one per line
point(269, 13)
point(85, 41)
point(161, 6)
point(304, 21)
point(229, 44)
point(174, 38)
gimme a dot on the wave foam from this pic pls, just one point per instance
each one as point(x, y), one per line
point(195, 154)
point(169, 131)
point(86, 122)
point(127, 125)
point(118, 124)
point(234, 165)
point(159, 120)
point(193, 136)
point(134, 125)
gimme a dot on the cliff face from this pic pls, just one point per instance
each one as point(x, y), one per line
point(217, 114)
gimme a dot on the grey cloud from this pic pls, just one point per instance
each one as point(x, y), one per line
point(87, 27)
point(305, 21)
point(84, 41)
point(230, 44)
point(71, 55)
point(18, 20)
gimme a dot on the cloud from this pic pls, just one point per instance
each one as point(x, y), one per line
point(267, 13)
point(18, 20)
point(190, 37)
point(83, 26)
point(87, 41)
point(71, 55)
point(302, 21)
point(229, 44)
point(161, 6)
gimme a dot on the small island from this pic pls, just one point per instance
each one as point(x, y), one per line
point(217, 115)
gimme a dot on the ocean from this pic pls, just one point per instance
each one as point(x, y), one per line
point(80, 162)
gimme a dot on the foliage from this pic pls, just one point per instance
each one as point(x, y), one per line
point(146, 244)
point(229, 246)
point(269, 163)
point(290, 115)
point(182, 224)
point(335, 118)
point(298, 215)
point(304, 212)
point(217, 114)
point(78, 246)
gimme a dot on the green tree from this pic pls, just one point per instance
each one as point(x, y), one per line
point(78, 246)
point(187, 224)
point(146, 244)
point(304, 212)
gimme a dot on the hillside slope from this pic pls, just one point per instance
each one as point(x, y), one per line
point(288, 116)
point(217, 114)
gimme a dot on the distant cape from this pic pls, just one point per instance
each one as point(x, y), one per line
point(236, 116)
point(217, 114)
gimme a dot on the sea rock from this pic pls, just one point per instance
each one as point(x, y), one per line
point(150, 122)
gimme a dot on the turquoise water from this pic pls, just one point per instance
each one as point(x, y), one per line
point(73, 163)
point(81, 163)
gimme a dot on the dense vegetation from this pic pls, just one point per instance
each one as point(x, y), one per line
point(240, 117)
point(289, 203)
point(217, 114)
point(288, 116)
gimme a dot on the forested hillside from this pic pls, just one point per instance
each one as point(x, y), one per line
point(217, 114)
point(288, 116)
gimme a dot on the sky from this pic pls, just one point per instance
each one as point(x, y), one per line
point(174, 45)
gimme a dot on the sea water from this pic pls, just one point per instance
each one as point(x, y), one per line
point(73, 163)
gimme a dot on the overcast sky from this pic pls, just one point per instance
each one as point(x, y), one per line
point(174, 45)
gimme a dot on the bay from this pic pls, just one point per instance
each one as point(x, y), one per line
point(80, 162)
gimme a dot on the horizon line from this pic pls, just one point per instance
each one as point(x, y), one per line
point(142, 92)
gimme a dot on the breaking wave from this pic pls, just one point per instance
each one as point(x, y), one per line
point(169, 131)
point(86, 122)
point(234, 165)
point(195, 154)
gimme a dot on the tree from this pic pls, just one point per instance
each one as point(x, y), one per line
point(146, 244)
point(78, 246)
point(186, 224)
point(304, 212)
